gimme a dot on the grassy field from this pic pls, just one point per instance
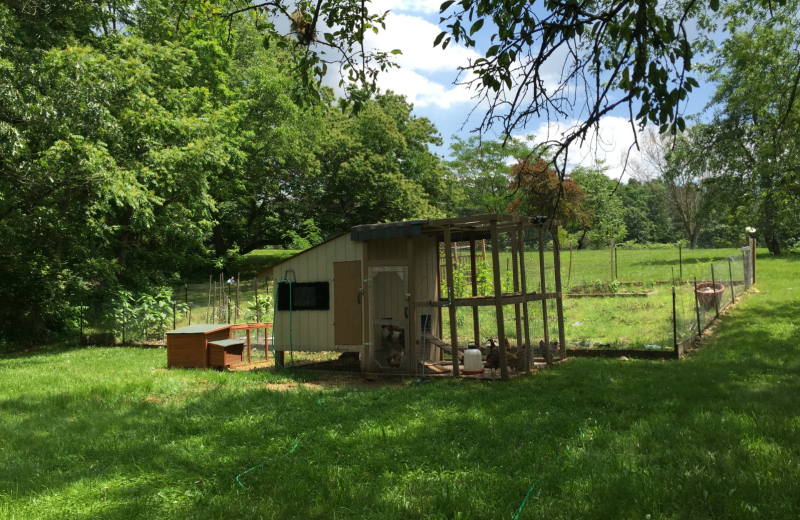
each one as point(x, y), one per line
point(109, 433)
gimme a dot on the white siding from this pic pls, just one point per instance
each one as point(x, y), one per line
point(313, 330)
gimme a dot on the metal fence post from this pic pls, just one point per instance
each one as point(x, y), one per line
point(714, 289)
point(123, 322)
point(80, 339)
point(674, 323)
point(186, 292)
point(745, 271)
point(680, 260)
point(697, 309)
point(616, 263)
point(173, 314)
point(730, 273)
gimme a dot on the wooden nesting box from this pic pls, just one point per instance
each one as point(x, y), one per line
point(222, 353)
point(188, 347)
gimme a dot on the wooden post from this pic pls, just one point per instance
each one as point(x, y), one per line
point(730, 273)
point(562, 347)
point(208, 307)
point(524, 287)
point(248, 345)
point(439, 325)
point(545, 332)
point(697, 309)
point(753, 252)
point(483, 246)
point(714, 288)
point(411, 310)
point(611, 250)
point(473, 270)
point(258, 311)
point(674, 324)
point(214, 304)
point(515, 271)
point(498, 299)
point(366, 315)
point(569, 272)
point(451, 308)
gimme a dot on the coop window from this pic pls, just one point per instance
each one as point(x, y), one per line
point(313, 296)
point(426, 324)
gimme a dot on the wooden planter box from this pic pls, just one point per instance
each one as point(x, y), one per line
point(188, 347)
point(224, 353)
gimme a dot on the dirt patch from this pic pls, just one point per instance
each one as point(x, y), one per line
point(335, 381)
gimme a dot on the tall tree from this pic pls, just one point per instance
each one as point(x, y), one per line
point(756, 129)
point(680, 163)
point(484, 173)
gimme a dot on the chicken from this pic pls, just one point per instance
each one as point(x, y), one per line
point(493, 357)
point(395, 359)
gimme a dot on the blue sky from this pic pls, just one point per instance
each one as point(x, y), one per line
point(427, 74)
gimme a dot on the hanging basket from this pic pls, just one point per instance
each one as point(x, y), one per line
point(707, 291)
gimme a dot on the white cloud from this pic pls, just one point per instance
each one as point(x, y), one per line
point(421, 91)
point(610, 144)
point(414, 36)
point(416, 6)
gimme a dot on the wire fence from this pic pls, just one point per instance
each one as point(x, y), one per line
point(129, 318)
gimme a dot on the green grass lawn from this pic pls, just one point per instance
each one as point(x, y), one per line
point(109, 433)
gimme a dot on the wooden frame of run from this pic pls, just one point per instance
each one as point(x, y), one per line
point(490, 226)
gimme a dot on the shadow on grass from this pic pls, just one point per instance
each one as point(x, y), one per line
point(712, 436)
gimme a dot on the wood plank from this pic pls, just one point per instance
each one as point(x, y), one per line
point(545, 332)
point(411, 328)
point(473, 271)
point(562, 344)
point(498, 290)
point(391, 262)
point(347, 312)
point(366, 313)
point(451, 309)
point(524, 288)
point(515, 271)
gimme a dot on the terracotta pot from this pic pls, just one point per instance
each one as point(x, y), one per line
point(706, 292)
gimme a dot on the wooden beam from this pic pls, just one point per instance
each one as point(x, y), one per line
point(366, 317)
point(485, 301)
point(438, 293)
point(381, 263)
point(524, 288)
point(498, 298)
point(562, 344)
point(473, 268)
point(452, 309)
point(411, 336)
point(515, 271)
point(545, 333)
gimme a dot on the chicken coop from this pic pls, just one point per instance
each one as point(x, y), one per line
point(379, 292)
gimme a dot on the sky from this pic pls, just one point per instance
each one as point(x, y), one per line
point(427, 77)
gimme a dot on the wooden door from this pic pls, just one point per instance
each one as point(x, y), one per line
point(347, 298)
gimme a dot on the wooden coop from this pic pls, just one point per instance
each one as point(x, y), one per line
point(212, 345)
point(369, 291)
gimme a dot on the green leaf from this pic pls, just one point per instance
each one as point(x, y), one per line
point(476, 26)
point(438, 39)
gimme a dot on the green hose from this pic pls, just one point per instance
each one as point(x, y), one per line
point(274, 310)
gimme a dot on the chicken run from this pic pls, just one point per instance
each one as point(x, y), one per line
point(388, 297)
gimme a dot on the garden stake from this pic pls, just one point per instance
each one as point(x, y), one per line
point(680, 260)
point(186, 292)
point(123, 322)
point(674, 324)
point(714, 288)
point(173, 314)
point(80, 339)
point(744, 271)
point(697, 309)
point(616, 264)
point(730, 273)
